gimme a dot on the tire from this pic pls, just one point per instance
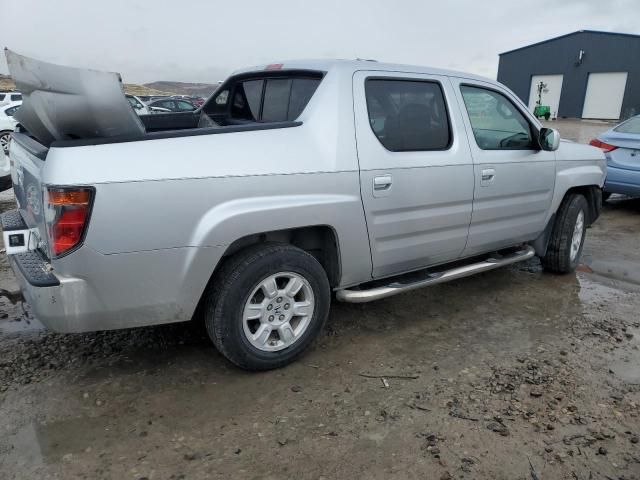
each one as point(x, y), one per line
point(5, 135)
point(563, 254)
point(547, 116)
point(239, 287)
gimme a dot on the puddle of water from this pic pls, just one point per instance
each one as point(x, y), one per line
point(592, 291)
point(627, 368)
point(38, 444)
point(617, 270)
point(20, 326)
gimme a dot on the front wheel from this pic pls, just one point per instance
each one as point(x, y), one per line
point(266, 305)
point(567, 238)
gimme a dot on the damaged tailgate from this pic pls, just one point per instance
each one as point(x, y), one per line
point(66, 103)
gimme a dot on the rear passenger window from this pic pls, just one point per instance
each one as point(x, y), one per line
point(276, 100)
point(408, 115)
point(265, 99)
point(246, 100)
point(302, 90)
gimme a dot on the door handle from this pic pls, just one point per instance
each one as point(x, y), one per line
point(487, 176)
point(382, 183)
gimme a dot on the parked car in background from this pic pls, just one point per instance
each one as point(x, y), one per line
point(137, 104)
point(197, 101)
point(153, 98)
point(273, 205)
point(7, 123)
point(173, 105)
point(621, 146)
point(10, 97)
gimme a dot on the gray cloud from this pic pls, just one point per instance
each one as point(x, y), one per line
point(205, 40)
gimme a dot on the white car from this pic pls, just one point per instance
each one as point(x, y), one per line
point(10, 97)
point(7, 124)
point(138, 105)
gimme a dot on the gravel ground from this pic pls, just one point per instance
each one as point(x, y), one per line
point(512, 374)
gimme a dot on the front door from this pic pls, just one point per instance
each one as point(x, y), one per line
point(514, 178)
point(416, 171)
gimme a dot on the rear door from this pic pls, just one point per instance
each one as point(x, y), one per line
point(416, 172)
point(514, 179)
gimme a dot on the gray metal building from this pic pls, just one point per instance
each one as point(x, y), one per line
point(586, 74)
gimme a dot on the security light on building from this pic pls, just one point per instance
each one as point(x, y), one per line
point(588, 74)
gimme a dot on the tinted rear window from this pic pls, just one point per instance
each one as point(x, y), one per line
point(273, 99)
point(276, 100)
point(408, 115)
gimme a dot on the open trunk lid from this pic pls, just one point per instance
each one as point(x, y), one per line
point(66, 103)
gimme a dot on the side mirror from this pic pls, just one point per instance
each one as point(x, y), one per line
point(549, 139)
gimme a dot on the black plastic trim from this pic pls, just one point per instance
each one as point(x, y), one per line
point(32, 146)
point(12, 220)
point(5, 183)
point(173, 134)
point(35, 269)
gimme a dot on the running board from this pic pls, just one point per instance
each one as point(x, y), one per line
point(433, 278)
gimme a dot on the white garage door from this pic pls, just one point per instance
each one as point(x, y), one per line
point(550, 93)
point(605, 92)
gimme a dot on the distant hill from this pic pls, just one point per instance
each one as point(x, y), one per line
point(153, 88)
point(6, 83)
point(182, 88)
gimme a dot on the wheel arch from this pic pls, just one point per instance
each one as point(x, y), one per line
point(321, 241)
point(593, 195)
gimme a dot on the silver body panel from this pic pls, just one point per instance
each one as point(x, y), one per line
point(167, 210)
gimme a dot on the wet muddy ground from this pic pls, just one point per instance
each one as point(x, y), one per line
point(512, 374)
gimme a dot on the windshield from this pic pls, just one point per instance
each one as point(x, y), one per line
point(630, 126)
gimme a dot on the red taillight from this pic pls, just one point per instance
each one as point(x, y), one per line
point(67, 214)
point(604, 146)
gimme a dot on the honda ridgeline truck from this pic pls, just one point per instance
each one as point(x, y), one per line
point(293, 181)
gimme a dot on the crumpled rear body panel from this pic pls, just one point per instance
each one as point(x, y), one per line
point(64, 103)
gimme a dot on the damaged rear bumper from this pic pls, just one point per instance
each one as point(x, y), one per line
point(61, 304)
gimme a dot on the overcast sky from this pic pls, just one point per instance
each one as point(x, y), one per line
point(204, 40)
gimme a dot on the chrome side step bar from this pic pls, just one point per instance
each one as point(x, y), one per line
point(433, 278)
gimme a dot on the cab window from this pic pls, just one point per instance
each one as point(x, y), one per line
point(408, 115)
point(496, 122)
point(263, 99)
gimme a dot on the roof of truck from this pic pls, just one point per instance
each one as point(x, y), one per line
point(355, 65)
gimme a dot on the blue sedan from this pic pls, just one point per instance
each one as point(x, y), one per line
point(621, 145)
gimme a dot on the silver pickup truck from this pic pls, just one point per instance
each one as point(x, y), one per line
point(293, 181)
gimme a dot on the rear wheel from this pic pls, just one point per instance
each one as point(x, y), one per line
point(5, 136)
point(266, 305)
point(567, 238)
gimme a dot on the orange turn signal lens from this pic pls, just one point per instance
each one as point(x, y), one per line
point(69, 197)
